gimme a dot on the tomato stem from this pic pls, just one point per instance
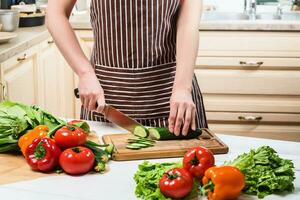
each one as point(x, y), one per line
point(71, 128)
point(76, 150)
point(195, 160)
point(172, 176)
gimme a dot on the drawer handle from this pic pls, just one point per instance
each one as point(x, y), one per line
point(50, 41)
point(251, 63)
point(22, 58)
point(250, 118)
point(3, 91)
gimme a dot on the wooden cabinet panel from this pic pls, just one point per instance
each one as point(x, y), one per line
point(20, 82)
point(254, 118)
point(56, 81)
point(272, 131)
point(252, 103)
point(248, 63)
point(243, 43)
point(271, 82)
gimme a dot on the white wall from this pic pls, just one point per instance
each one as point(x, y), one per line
point(226, 5)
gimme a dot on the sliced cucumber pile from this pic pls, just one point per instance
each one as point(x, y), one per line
point(139, 143)
point(165, 134)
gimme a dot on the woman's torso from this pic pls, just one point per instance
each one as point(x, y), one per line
point(134, 33)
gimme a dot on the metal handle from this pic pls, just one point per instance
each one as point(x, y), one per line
point(3, 91)
point(251, 63)
point(22, 58)
point(50, 42)
point(250, 118)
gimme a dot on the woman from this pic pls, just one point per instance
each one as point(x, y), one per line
point(142, 62)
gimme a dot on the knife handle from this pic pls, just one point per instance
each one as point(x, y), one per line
point(76, 93)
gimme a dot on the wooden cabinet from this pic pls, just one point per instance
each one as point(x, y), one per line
point(55, 81)
point(250, 83)
point(40, 76)
point(18, 77)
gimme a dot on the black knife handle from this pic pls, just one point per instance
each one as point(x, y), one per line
point(76, 93)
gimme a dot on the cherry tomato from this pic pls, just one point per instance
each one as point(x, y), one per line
point(176, 183)
point(70, 136)
point(197, 160)
point(77, 160)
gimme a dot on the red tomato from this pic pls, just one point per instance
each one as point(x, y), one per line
point(176, 183)
point(77, 160)
point(197, 160)
point(70, 136)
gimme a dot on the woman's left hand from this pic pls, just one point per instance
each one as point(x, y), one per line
point(182, 112)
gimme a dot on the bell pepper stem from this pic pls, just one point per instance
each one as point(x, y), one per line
point(210, 186)
point(39, 151)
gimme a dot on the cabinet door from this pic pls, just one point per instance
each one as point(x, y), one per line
point(18, 76)
point(55, 82)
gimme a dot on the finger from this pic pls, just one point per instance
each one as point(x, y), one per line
point(82, 100)
point(193, 119)
point(179, 119)
point(92, 103)
point(86, 101)
point(172, 116)
point(101, 105)
point(187, 120)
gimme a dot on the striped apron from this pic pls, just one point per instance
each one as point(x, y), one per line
point(134, 58)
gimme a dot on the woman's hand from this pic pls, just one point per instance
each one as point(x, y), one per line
point(91, 92)
point(182, 112)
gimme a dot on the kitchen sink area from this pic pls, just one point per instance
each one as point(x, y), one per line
point(229, 16)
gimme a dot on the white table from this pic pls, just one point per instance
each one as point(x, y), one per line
point(118, 183)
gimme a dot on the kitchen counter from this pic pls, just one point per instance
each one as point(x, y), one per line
point(118, 183)
point(82, 21)
point(27, 37)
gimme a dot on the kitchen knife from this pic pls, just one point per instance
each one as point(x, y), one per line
point(115, 116)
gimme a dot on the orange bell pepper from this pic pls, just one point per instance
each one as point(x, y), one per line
point(223, 183)
point(26, 139)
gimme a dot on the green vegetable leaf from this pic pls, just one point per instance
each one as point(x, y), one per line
point(265, 172)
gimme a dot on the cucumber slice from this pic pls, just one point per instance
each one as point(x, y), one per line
point(141, 131)
point(131, 140)
point(139, 145)
point(133, 147)
point(165, 134)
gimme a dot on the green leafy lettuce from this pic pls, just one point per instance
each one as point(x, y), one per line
point(17, 118)
point(147, 180)
point(265, 172)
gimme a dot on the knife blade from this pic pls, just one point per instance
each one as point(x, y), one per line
point(119, 118)
point(115, 116)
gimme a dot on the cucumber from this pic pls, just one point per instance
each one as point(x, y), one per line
point(141, 131)
point(165, 134)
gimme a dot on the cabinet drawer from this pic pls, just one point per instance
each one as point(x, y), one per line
point(251, 103)
point(270, 82)
point(249, 63)
point(278, 132)
point(238, 43)
point(253, 118)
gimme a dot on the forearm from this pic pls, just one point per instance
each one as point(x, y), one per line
point(64, 36)
point(187, 43)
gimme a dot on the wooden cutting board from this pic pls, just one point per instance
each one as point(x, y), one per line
point(164, 149)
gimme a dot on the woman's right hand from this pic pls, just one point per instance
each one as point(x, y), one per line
point(90, 92)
